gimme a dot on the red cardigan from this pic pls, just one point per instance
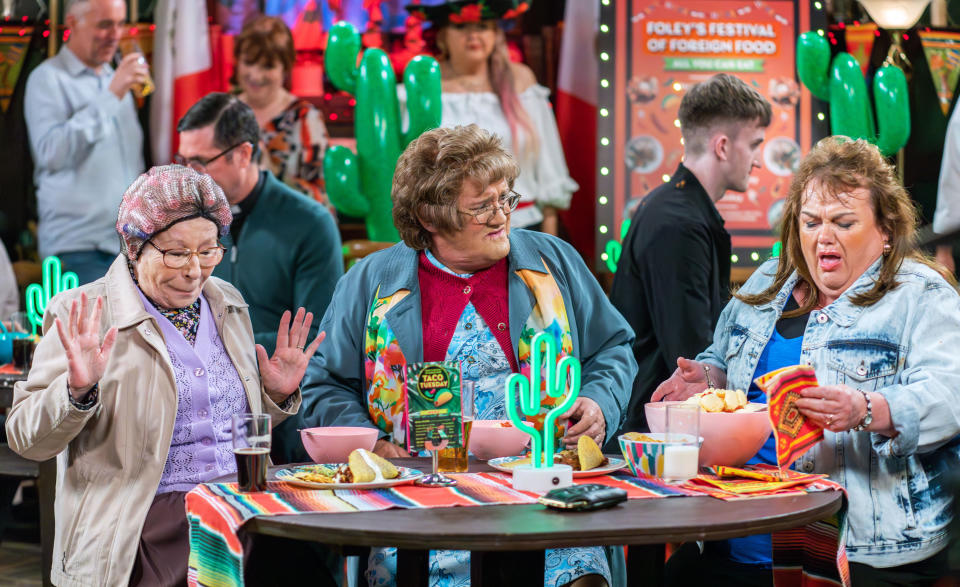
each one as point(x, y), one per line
point(444, 296)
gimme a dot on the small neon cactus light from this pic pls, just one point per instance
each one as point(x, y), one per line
point(54, 281)
point(558, 377)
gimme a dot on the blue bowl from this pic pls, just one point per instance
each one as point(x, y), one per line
point(6, 345)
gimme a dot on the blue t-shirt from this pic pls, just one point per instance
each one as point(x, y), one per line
point(779, 352)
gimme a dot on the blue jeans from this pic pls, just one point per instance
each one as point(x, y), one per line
point(88, 265)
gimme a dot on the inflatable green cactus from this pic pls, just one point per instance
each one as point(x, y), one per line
point(359, 184)
point(559, 375)
point(841, 83)
point(53, 281)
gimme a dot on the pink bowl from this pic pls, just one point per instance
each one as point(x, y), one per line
point(728, 438)
point(489, 439)
point(333, 444)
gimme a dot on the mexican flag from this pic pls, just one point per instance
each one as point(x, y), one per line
point(181, 69)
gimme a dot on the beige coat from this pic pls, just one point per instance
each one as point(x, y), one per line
point(110, 457)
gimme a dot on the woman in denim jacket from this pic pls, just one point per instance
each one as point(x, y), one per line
point(881, 325)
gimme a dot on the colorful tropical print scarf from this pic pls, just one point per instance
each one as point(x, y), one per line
point(385, 365)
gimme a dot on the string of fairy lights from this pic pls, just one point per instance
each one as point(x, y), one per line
point(609, 244)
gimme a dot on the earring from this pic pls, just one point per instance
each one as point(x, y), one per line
point(886, 248)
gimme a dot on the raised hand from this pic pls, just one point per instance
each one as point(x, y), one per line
point(131, 70)
point(688, 379)
point(86, 356)
point(281, 373)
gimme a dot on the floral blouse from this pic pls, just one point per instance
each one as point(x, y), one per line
point(296, 141)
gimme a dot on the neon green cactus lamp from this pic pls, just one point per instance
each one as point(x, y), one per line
point(558, 377)
point(54, 281)
point(359, 184)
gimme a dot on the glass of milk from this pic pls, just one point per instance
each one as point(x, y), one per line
point(681, 454)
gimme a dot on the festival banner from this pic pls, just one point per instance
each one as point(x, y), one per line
point(942, 50)
point(13, 51)
point(673, 46)
point(860, 38)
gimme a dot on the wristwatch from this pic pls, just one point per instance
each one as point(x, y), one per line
point(868, 417)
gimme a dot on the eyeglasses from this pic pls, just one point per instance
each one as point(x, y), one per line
point(178, 258)
point(200, 165)
point(507, 204)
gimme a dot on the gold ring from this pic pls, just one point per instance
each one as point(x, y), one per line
point(829, 419)
point(300, 348)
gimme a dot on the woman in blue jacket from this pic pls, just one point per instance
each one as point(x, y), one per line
point(880, 324)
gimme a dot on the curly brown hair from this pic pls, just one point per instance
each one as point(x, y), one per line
point(840, 165)
point(430, 174)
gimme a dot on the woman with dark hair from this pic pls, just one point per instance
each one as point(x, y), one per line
point(294, 137)
point(880, 324)
point(482, 86)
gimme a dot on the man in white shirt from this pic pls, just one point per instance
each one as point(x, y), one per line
point(85, 138)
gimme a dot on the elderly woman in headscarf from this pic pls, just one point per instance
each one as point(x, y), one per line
point(136, 379)
point(463, 287)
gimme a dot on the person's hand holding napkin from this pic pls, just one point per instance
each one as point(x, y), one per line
point(794, 432)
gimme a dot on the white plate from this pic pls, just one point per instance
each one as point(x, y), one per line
point(782, 156)
point(613, 466)
point(406, 476)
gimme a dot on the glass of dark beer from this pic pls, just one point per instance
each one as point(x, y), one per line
point(251, 448)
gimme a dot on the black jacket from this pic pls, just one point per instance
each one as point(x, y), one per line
point(672, 282)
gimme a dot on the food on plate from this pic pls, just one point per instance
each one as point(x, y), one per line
point(639, 437)
point(586, 456)
point(363, 467)
point(644, 154)
point(719, 400)
point(367, 466)
point(319, 474)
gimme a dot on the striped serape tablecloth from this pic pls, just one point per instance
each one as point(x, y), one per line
point(216, 512)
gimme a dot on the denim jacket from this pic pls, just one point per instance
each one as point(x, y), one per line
point(904, 347)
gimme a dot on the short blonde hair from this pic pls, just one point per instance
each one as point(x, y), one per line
point(430, 175)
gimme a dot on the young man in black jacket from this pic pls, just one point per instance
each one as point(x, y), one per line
point(673, 277)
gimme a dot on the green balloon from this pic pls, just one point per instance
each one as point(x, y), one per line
point(850, 112)
point(340, 173)
point(421, 79)
point(360, 185)
point(813, 63)
point(340, 56)
point(893, 109)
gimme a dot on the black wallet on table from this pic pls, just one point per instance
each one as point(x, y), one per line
point(583, 498)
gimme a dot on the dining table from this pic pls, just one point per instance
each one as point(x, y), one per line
point(507, 542)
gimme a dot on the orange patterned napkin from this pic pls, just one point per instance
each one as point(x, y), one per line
point(793, 432)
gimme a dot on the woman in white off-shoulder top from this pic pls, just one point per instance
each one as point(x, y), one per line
point(482, 86)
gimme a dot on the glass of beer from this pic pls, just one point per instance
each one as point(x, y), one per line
point(454, 460)
point(131, 45)
point(251, 448)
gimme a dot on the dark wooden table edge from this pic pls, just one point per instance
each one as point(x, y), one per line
point(275, 526)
